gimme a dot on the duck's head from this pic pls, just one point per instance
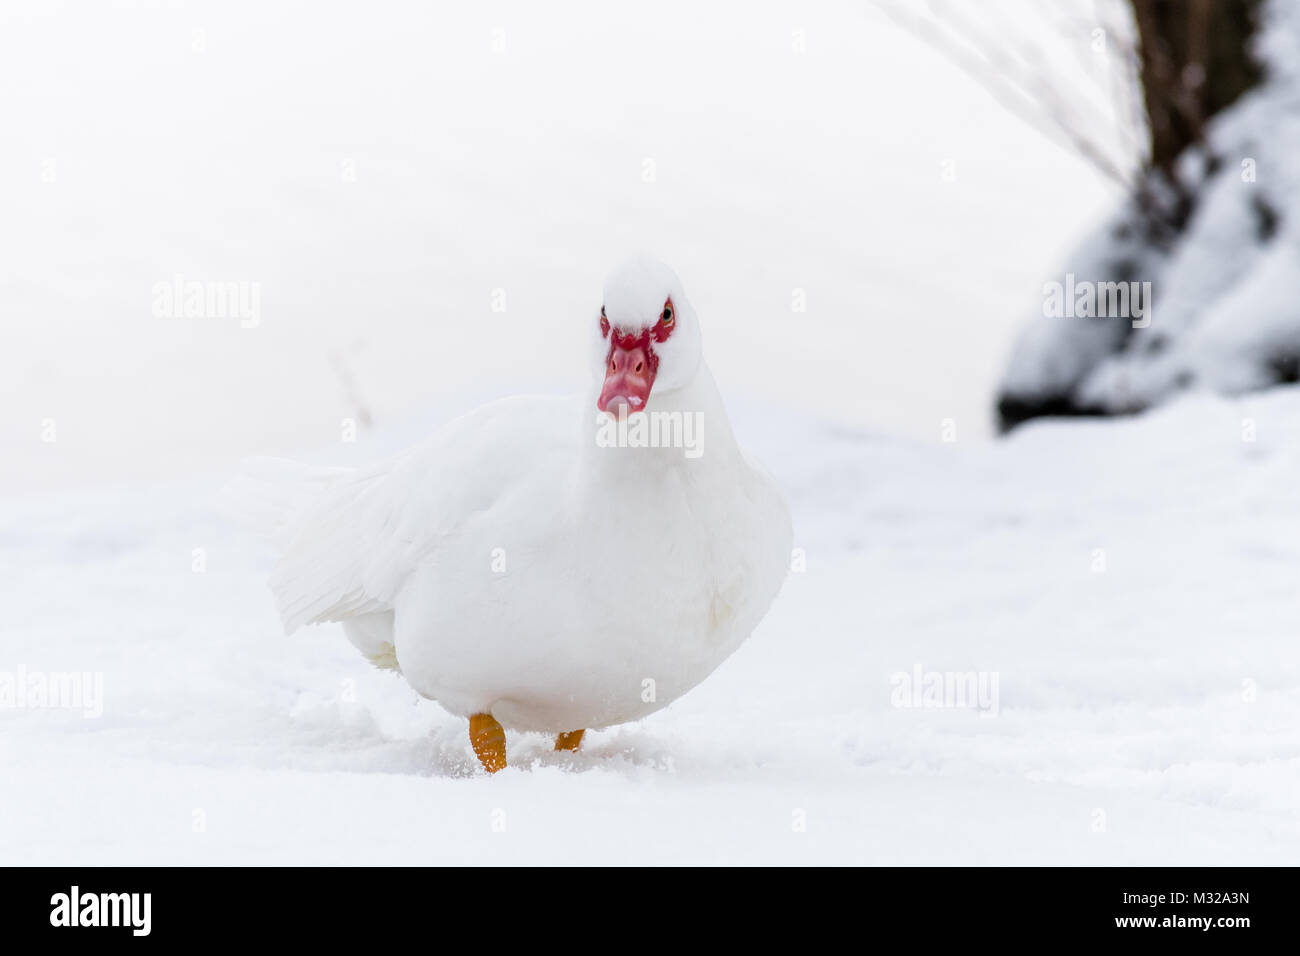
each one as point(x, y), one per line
point(646, 334)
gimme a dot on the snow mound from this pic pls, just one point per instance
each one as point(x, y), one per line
point(1226, 289)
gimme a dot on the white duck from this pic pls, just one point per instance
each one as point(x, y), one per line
point(548, 565)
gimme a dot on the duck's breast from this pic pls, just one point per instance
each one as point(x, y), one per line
point(599, 610)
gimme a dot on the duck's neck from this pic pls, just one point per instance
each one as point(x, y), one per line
point(686, 428)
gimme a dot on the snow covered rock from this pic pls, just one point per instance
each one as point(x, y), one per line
point(1226, 286)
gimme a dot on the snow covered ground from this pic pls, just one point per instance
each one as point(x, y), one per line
point(1131, 586)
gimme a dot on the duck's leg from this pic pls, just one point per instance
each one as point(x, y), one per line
point(570, 741)
point(489, 741)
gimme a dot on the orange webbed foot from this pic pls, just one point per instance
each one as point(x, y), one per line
point(570, 741)
point(488, 739)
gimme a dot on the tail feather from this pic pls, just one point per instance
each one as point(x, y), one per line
point(304, 511)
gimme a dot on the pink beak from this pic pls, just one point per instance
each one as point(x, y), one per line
point(629, 376)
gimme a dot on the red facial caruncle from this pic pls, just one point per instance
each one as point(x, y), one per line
point(631, 363)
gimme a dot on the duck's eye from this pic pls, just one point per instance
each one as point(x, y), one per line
point(604, 323)
point(667, 317)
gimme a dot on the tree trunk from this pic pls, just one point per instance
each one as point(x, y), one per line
point(1196, 59)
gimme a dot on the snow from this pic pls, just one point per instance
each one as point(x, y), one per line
point(1147, 712)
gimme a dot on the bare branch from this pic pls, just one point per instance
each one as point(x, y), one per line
point(1023, 90)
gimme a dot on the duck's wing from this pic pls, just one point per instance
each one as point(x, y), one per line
point(353, 547)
